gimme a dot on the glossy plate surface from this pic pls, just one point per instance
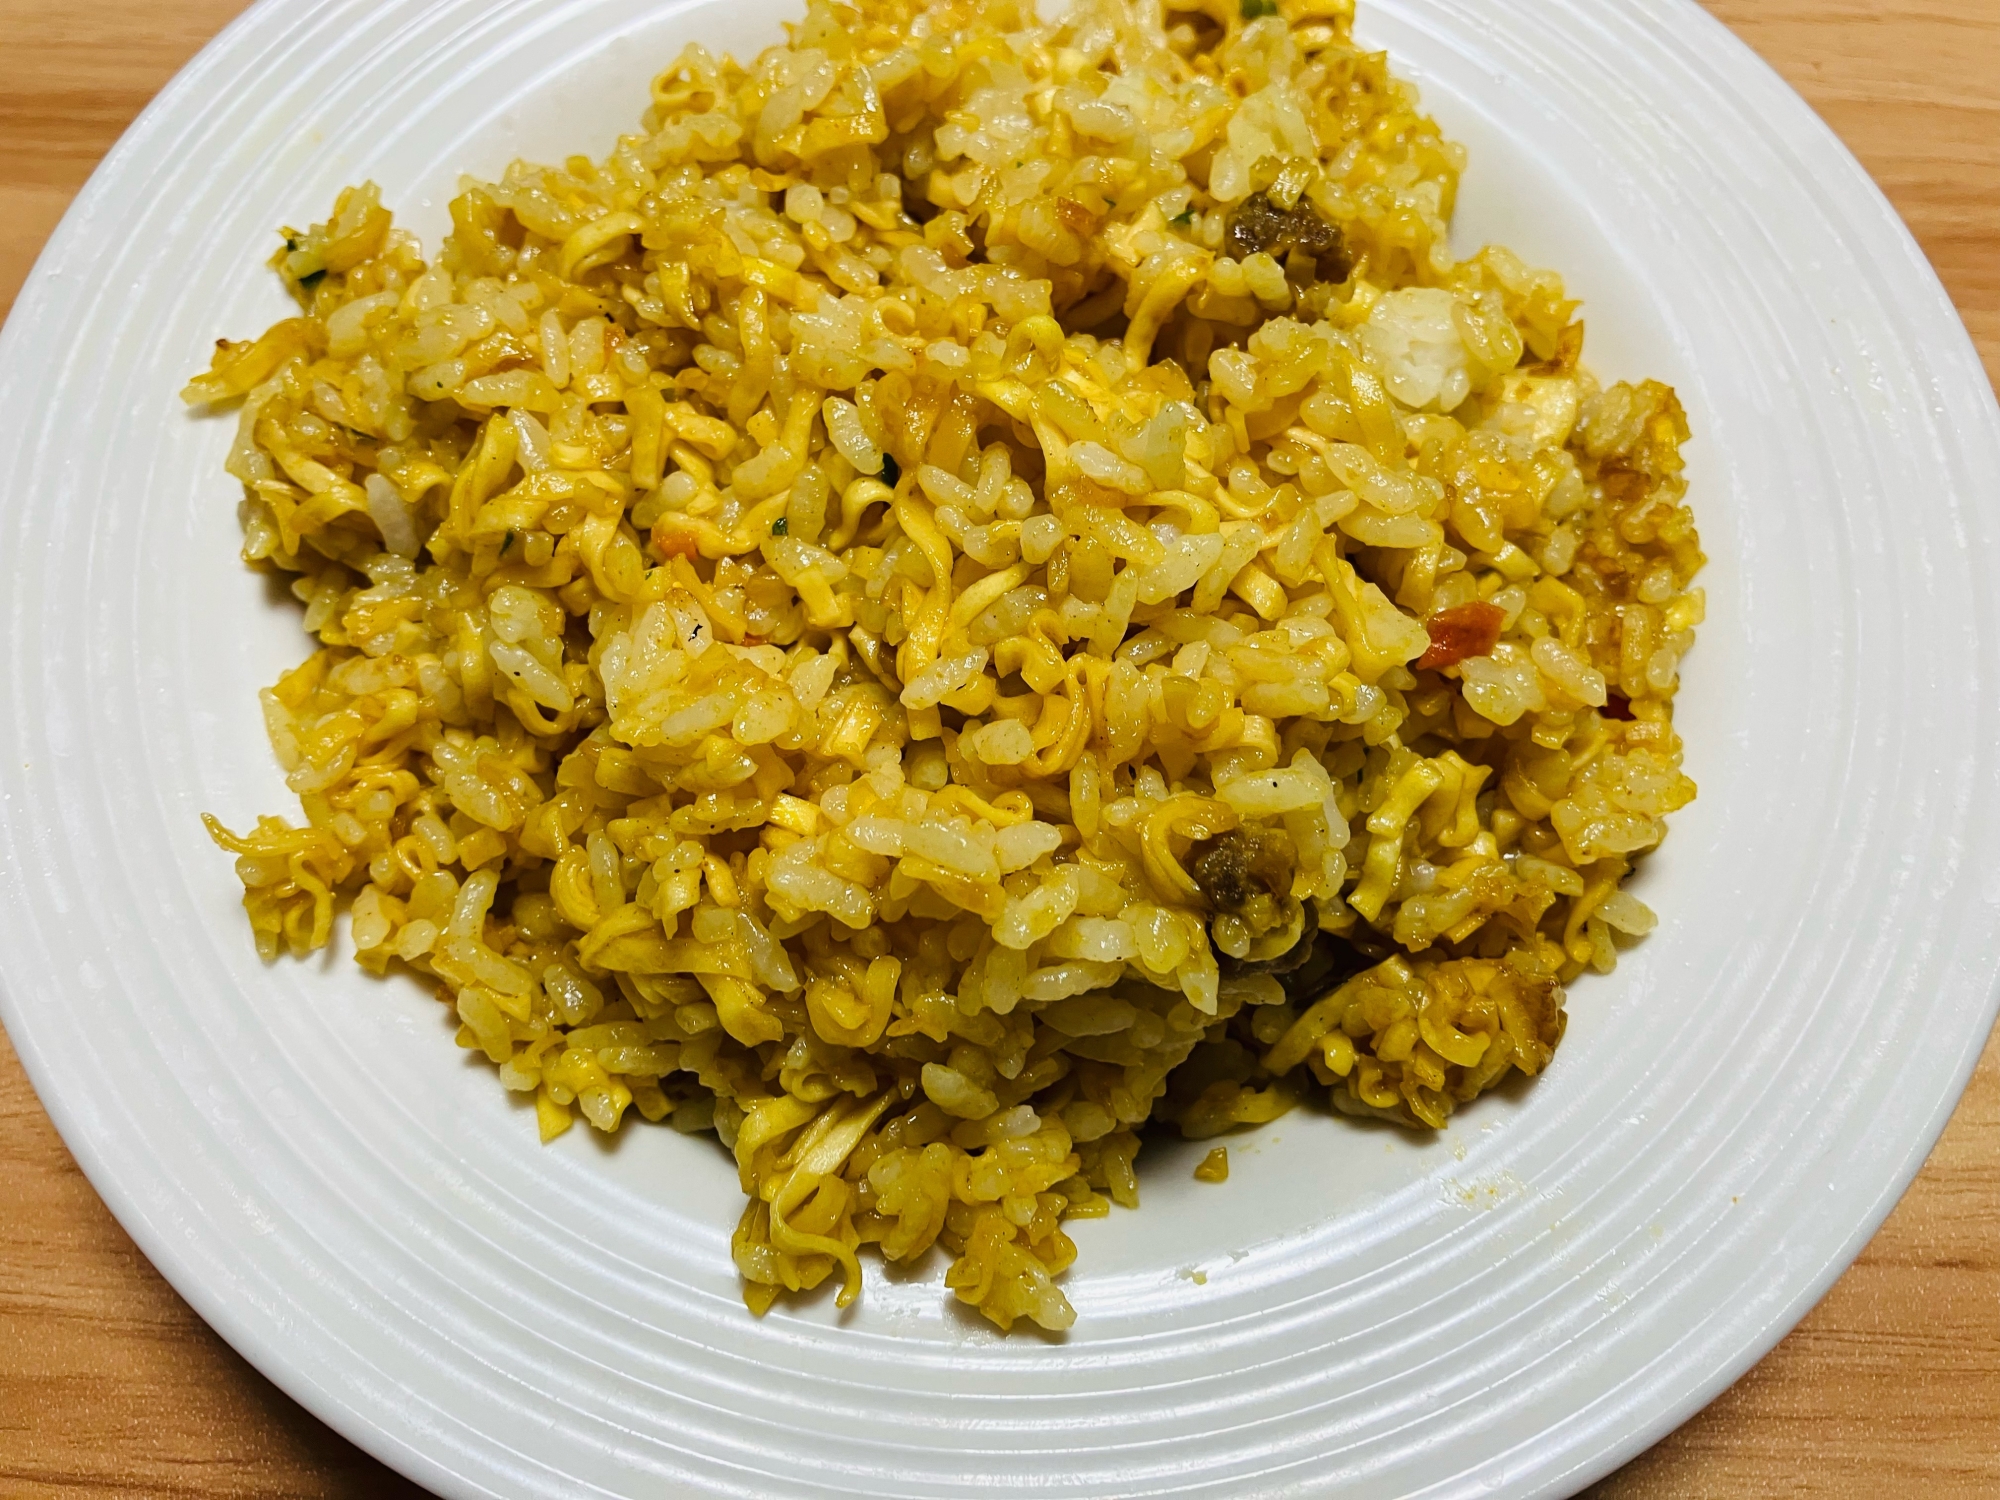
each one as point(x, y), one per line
point(1510, 1308)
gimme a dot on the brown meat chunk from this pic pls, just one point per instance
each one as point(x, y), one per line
point(1461, 631)
point(1259, 225)
point(1233, 869)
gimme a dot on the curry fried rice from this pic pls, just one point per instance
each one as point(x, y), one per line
point(975, 583)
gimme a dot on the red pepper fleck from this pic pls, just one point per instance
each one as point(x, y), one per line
point(1617, 706)
point(1461, 631)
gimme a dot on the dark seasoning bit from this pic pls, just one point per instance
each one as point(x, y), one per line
point(891, 470)
point(1259, 226)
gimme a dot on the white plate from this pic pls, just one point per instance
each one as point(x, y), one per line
point(1510, 1308)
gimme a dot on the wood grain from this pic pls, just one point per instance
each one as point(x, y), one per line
point(110, 1385)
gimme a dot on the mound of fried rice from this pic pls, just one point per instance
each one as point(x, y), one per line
point(974, 584)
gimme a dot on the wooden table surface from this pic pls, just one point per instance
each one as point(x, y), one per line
point(109, 1384)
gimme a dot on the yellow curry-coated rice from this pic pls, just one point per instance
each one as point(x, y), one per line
point(974, 584)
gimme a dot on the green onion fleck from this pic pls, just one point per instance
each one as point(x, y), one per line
point(1184, 218)
point(782, 526)
point(508, 543)
point(1253, 9)
point(891, 470)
